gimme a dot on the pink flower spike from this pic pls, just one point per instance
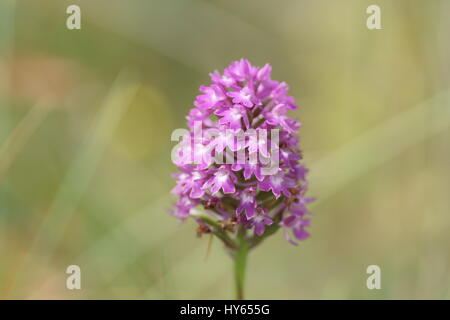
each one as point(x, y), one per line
point(245, 96)
point(212, 96)
point(240, 158)
point(247, 203)
point(222, 179)
point(261, 220)
point(234, 117)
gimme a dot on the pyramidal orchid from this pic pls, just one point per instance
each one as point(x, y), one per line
point(240, 172)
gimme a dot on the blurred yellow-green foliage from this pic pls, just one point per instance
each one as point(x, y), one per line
point(85, 123)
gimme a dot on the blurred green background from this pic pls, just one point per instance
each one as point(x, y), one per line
point(85, 123)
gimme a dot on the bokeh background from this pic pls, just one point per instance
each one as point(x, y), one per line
point(85, 123)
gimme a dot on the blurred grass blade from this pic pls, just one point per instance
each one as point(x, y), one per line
point(79, 174)
point(20, 135)
point(379, 145)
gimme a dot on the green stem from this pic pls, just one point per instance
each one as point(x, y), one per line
point(240, 262)
point(221, 234)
